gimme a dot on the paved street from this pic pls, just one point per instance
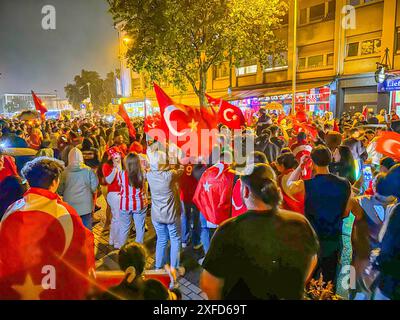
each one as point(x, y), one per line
point(106, 256)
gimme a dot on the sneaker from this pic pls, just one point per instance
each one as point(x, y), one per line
point(197, 247)
point(184, 245)
point(200, 261)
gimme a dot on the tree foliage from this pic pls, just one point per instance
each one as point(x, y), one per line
point(179, 40)
point(102, 91)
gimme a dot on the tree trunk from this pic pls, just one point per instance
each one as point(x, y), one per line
point(202, 87)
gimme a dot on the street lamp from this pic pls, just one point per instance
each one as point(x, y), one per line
point(294, 62)
point(380, 74)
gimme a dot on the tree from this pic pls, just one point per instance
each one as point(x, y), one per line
point(101, 91)
point(179, 40)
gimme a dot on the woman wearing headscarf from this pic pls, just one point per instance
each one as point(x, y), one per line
point(78, 185)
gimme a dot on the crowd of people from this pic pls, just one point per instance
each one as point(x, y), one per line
point(266, 226)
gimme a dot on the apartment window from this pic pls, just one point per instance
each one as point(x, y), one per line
point(317, 12)
point(277, 63)
point(285, 19)
point(352, 49)
point(398, 39)
point(331, 10)
point(302, 63)
point(249, 69)
point(329, 59)
point(221, 70)
point(370, 46)
point(315, 61)
point(303, 16)
point(322, 11)
point(359, 2)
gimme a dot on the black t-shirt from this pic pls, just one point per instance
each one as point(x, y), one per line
point(325, 204)
point(388, 261)
point(262, 255)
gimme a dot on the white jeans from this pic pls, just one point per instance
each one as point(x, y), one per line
point(113, 200)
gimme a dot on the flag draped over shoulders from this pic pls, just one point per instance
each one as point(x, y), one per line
point(46, 253)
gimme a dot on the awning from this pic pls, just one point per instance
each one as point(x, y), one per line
point(263, 92)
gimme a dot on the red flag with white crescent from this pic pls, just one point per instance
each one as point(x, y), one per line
point(389, 144)
point(238, 206)
point(228, 114)
point(46, 253)
point(193, 129)
point(213, 195)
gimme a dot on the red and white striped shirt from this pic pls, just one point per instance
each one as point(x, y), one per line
point(132, 199)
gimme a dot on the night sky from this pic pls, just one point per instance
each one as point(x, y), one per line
point(46, 60)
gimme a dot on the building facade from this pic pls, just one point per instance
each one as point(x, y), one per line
point(338, 46)
point(17, 102)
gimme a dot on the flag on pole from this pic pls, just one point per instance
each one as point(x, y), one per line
point(39, 105)
point(228, 114)
point(193, 129)
point(125, 117)
point(365, 113)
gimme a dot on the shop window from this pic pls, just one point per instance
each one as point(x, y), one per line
point(329, 59)
point(221, 70)
point(352, 49)
point(370, 46)
point(317, 12)
point(315, 61)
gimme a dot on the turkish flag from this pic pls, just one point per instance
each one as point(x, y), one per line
point(228, 114)
point(389, 144)
point(365, 113)
point(213, 195)
point(193, 129)
point(46, 253)
point(152, 122)
point(39, 105)
point(125, 117)
point(238, 206)
point(336, 126)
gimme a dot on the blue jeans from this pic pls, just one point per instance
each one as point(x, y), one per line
point(87, 221)
point(164, 233)
point(139, 217)
point(190, 214)
point(207, 231)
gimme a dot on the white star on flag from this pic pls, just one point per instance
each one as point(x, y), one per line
point(207, 186)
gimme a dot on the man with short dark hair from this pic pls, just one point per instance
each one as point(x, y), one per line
point(41, 231)
point(266, 253)
point(326, 199)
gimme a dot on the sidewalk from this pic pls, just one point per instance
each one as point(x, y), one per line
point(107, 256)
